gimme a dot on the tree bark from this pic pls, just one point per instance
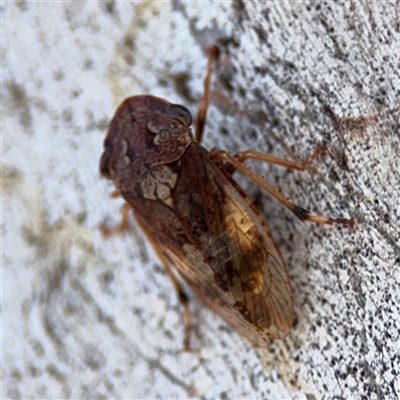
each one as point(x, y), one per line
point(89, 317)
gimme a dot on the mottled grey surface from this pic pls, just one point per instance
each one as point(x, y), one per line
point(85, 317)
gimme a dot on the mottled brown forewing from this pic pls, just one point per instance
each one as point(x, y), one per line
point(198, 218)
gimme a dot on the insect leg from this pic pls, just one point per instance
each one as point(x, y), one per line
point(124, 224)
point(182, 296)
point(213, 53)
point(245, 155)
point(300, 212)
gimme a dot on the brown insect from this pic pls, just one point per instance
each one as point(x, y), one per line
point(198, 219)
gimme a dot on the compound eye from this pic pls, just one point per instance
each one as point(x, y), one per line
point(105, 161)
point(181, 114)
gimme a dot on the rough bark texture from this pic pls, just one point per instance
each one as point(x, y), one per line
point(85, 317)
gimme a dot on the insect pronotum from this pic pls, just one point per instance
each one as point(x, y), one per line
point(198, 219)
